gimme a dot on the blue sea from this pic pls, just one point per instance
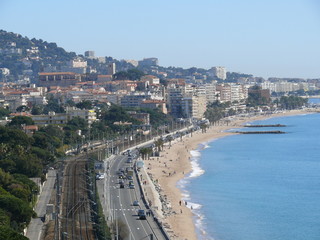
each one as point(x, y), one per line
point(258, 187)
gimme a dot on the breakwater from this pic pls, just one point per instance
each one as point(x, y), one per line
point(260, 132)
point(266, 125)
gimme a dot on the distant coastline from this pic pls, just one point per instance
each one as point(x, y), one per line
point(315, 96)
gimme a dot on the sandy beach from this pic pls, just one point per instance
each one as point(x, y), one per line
point(174, 163)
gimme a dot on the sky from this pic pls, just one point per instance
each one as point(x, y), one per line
point(270, 38)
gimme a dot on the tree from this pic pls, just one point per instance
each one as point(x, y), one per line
point(84, 104)
point(169, 139)
point(4, 218)
point(203, 127)
point(159, 144)
point(255, 97)
point(4, 112)
point(14, 137)
point(37, 110)
point(22, 108)
point(77, 123)
point(53, 105)
point(131, 74)
point(145, 152)
point(20, 211)
point(292, 102)
point(20, 120)
point(7, 233)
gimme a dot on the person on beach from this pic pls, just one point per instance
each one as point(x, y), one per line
point(180, 202)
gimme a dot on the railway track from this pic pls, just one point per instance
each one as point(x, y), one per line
point(76, 211)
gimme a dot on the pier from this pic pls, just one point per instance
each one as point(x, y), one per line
point(260, 132)
point(268, 125)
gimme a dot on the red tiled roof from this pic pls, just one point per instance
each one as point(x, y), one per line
point(31, 127)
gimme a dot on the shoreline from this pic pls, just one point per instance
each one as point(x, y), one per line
point(174, 165)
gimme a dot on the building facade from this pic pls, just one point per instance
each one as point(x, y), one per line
point(219, 72)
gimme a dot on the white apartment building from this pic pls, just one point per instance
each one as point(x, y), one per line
point(77, 63)
point(210, 92)
point(219, 72)
point(231, 92)
point(284, 86)
point(194, 106)
point(63, 118)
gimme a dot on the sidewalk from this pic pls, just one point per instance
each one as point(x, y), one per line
point(34, 229)
point(151, 194)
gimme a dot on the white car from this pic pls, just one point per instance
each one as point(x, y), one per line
point(100, 176)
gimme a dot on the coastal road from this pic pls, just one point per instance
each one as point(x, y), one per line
point(35, 226)
point(118, 203)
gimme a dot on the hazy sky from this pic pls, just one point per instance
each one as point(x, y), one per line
point(267, 38)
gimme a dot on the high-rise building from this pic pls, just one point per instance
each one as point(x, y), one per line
point(175, 95)
point(218, 72)
point(111, 68)
point(193, 106)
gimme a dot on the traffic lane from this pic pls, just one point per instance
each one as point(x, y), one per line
point(124, 211)
point(138, 228)
point(147, 226)
point(149, 223)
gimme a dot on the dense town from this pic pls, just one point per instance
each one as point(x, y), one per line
point(53, 102)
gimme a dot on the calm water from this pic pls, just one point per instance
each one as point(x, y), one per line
point(259, 187)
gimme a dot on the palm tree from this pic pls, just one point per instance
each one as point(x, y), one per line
point(169, 139)
point(159, 144)
point(203, 127)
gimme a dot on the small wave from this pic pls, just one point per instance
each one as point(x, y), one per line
point(202, 146)
point(200, 226)
point(196, 169)
point(194, 206)
point(183, 183)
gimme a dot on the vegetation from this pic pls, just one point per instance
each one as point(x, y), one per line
point(145, 152)
point(7, 233)
point(255, 97)
point(216, 111)
point(84, 105)
point(16, 197)
point(4, 113)
point(131, 74)
point(18, 121)
point(291, 102)
point(234, 77)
